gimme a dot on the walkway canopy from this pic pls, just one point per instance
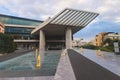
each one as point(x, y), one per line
point(76, 19)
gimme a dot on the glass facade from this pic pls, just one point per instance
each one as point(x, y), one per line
point(21, 33)
point(55, 42)
point(14, 30)
point(18, 21)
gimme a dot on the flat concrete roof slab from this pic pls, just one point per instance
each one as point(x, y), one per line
point(77, 19)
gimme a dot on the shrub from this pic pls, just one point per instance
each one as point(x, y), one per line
point(6, 43)
point(89, 46)
point(107, 48)
point(109, 41)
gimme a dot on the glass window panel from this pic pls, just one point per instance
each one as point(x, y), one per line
point(19, 21)
point(18, 30)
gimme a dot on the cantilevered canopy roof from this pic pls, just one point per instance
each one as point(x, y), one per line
point(76, 19)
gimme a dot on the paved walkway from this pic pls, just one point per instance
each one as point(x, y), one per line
point(108, 60)
point(30, 78)
point(64, 72)
point(64, 69)
point(24, 66)
point(86, 69)
point(14, 54)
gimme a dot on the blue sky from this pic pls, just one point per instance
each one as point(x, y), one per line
point(107, 21)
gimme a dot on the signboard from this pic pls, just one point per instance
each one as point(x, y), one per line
point(116, 44)
point(116, 47)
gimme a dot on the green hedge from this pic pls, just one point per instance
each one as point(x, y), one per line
point(89, 46)
point(6, 43)
point(107, 48)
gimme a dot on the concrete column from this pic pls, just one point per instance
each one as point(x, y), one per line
point(68, 38)
point(42, 43)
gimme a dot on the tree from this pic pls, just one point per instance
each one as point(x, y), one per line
point(78, 41)
point(6, 43)
point(109, 41)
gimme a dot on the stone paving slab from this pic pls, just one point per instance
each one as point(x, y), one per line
point(108, 60)
point(85, 69)
point(64, 70)
point(14, 54)
point(30, 78)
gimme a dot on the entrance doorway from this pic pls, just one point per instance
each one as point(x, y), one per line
point(55, 45)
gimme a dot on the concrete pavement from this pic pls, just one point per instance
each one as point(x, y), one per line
point(108, 60)
point(85, 69)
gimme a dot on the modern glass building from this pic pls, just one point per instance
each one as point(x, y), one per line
point(21, 29)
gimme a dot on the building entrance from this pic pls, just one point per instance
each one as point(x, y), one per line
point(55, 45)
point(55, 42)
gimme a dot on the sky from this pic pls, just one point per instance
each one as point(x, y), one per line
point(107, 21)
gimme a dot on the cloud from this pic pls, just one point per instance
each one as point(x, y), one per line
point(117, 20)
point(109, 10)
point(47, 8)
point(42, 9)
point(89, 32)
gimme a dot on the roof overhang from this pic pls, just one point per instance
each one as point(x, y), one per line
point(76, 19)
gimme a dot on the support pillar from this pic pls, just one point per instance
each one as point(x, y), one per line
point(68, 38)
point(42, 43)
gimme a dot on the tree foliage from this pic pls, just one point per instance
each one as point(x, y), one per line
point(109, 41)
point(89, 46)
point(6, 43)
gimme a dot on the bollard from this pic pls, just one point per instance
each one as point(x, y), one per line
point(64, 52)
point(38, 59)
point(99, 52)
point(36, 53)
point(81, 50)
point(38, 62)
